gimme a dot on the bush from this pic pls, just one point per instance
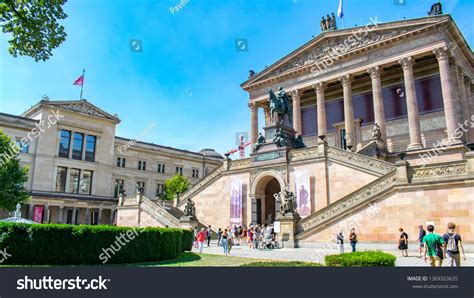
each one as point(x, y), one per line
point(56, 244)
point(361, 259)
point(281, 264)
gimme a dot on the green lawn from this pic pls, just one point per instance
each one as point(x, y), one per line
point(190, 259)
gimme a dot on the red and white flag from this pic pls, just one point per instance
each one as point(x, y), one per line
point(79, 81)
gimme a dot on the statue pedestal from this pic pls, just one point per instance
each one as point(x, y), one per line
point(269, 150)
point(286, 237)
point(187, 222)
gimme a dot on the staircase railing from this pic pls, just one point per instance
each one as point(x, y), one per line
point(159, 213)
point(196, 188)
point(373, 165)
point(346, 205)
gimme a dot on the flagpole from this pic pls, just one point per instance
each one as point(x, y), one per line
point(82, 85)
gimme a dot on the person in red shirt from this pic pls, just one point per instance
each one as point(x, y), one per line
point(201, 236)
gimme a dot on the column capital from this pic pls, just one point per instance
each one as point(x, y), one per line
point(407, 62)
point(346, 80)
point(319, 87)
point(442, 53)
point(375, 72)
point(253, 106)
point(461, 71)
point(296, 93)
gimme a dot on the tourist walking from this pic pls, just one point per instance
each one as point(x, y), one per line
point(453, 246)
point(219, 236)
point(340, 242)
point(433, 247)
point(224, 242)
point(421, 235)
point(209, 234)
point(403, 243)
point(230, 242)
point(201, 236)
point(353, 239)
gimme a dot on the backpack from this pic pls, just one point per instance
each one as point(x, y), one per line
point(451, 243)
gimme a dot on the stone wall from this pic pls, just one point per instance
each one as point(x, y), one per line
point(408, 208)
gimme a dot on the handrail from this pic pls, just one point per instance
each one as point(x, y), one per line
point(159, 213)
point(346, 204)
point(362, 161)
point(184, 197)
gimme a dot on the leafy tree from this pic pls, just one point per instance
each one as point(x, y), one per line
point(33, 25)
point(12, 175)
point(175, 186)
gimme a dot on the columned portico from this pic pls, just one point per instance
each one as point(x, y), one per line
point(296, 97)
point(379, 111)
point(412, 105)
point(253, 123)
point(464, 100)
point(346, 81)
point(321, 108)
point(451, 111)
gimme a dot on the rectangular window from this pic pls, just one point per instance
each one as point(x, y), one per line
point(69, 216)
point(121, 162)
point(90, 148)
point(343, 139)
point(161, 168)
point(140, 185)
point(74, 180)
point(61, 179)
point(195, 173)
point(86, 184)
point(160, 189)
point(179, 170)
point(142, 165)
point(77, 146)
point(64, 143)
point(94, 217)
point(118, 187)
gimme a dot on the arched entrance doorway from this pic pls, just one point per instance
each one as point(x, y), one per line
point(264, 205)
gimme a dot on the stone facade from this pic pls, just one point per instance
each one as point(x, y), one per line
point(84, 199)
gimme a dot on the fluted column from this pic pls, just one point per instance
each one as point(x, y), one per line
point(451, 112)
point(253, 123)
point(266, 111)
point(470, 103)
point(296, 97)
point(321, 108)
point(379, 111)
point(412, 105)
point(464, 100)
point(346, 81)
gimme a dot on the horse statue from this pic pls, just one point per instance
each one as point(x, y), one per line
point(280, 103)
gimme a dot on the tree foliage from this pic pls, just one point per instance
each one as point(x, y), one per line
point(176, 185)
point(33, 25)
point(12, 175)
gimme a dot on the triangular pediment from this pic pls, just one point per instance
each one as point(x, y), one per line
point(78, 106)
point(343, 41)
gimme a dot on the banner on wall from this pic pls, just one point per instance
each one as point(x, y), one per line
point(236, 203)
point(38, 214)
point(303, 201)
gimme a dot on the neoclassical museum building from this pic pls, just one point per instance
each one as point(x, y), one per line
point(386, 116)
point(78, 166)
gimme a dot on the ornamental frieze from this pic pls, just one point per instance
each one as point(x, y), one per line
point(435, 171)
point(360, 161)
point(303, 154)
point(82, 108)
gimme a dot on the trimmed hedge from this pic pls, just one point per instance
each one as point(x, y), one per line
point(59, 244)
point(361, 259)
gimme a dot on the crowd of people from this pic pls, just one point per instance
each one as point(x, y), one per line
point(432, 247)
point(255, 236)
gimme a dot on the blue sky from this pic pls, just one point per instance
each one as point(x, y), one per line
point(187, 79)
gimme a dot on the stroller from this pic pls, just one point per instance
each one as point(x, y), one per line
point(267, 241)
